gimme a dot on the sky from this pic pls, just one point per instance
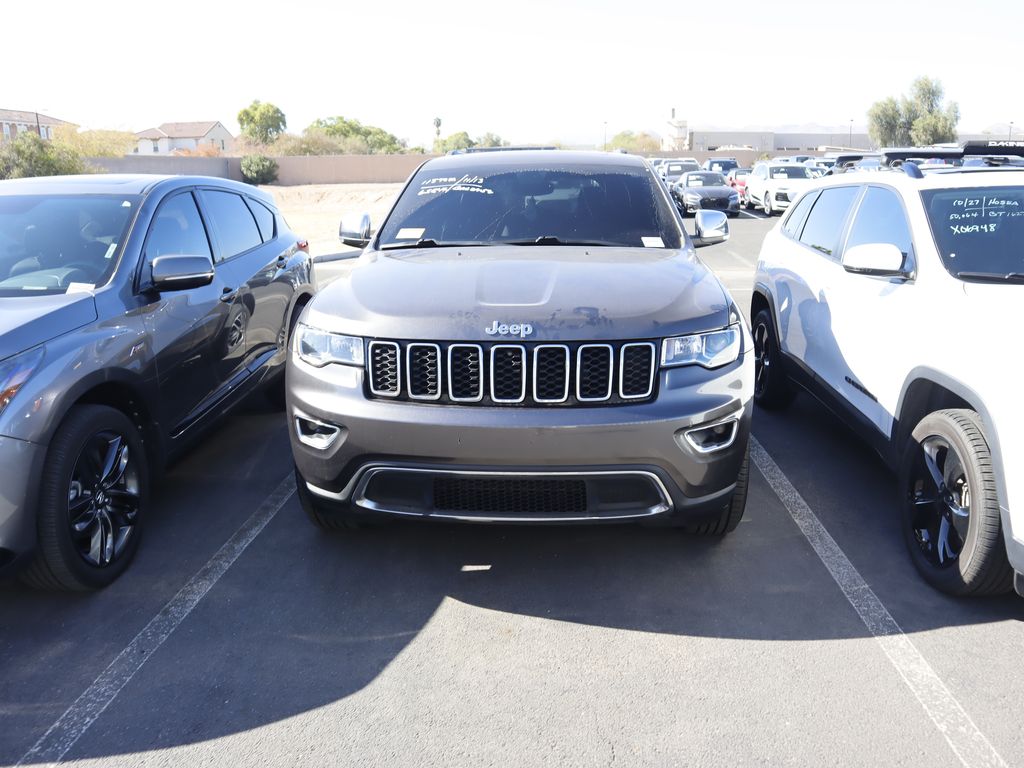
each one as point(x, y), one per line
point(529, 70)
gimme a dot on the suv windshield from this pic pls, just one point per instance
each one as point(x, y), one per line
point(979, 232)
point(558, 204)
point(790, 172)
point(49, 244)
point(705, 180)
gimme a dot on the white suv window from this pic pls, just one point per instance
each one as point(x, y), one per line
point(825, 222)
point(880, 219)
point(797, 217)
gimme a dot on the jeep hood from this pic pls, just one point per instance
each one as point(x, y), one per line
point(26, 321)
point(563, 292)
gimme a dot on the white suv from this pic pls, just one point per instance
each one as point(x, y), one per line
point(892, 298)
point(773, 186)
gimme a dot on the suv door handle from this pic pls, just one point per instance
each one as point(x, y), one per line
point(228, 294)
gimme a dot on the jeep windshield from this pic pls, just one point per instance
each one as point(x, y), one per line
point(979, 232)
point(54, 244)
point(524, 204)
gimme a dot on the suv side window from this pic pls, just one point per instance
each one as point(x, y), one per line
point(177, 229)
point(232, 221)
point(264, 218)
point(825, 221)
point(795, 221)
point(880, 219)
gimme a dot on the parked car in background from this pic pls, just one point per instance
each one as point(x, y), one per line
point(846, 290)
point(418, 387)
point(737, 179)
point(134, 312)
point(720, 165)
point(671, 170)
point(773, 186)
point(704, 190)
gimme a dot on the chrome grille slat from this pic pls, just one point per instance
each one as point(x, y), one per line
point(423, 371)
point(505, 358)
point(385, 360)
point(590, 369)
point(632, 370)
point(549, 371)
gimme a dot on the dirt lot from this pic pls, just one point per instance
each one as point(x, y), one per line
point(314, 211)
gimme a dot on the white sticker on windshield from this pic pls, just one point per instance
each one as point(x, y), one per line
point(110, 251)
point(653, 242)
point(440, 185)
point(80, 287)
point(410, 233)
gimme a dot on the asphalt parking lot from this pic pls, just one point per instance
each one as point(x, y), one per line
point(242, 635)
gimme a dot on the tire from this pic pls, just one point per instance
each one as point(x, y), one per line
point(772, 389)
point(325, 516)
point(275, 389)
point(732, 510)
point(60, 562)
point(766, 204)
point(745, 200)
point(957, 553)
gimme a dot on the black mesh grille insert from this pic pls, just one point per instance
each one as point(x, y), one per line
point(466, 381)
point(527, 496)
point(384, 367)
point(595, 369)
point(637, 366)
point(424, 371)
point(507, 381)
point(551, 374)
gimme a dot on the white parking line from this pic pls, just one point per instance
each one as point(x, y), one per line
point(750, 215)
point(963, 736)
point(72, 725)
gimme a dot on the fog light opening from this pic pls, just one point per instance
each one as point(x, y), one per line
point(714, 437)
point(315, 434)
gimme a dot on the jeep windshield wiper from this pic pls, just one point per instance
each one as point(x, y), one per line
point(427, 242)
point(552, 240)
point(993, 277)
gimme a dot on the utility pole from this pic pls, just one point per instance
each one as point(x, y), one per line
point(604, 144)
point(39, 131)
point(1009, 136)
point(851, 133)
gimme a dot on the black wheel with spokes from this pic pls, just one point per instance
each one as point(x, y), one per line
point(950, 506)
point(92, 501)
point(771, 387)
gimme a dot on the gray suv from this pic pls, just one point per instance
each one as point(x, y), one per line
point(529, 338)
point(134, 310)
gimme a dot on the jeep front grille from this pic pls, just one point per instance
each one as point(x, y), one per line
point(531, 374)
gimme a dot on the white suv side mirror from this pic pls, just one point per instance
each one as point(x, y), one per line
point(877, 259)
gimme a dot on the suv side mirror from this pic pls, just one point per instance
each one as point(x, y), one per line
point(712, 228)
point(355, 232)
point(876, 259)
point(180, 273)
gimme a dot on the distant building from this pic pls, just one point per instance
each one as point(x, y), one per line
point(770, 141)
point(13, 122)
point(173, 137)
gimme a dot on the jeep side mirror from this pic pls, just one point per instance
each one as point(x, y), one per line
point(356, 231)
point(712, 228)
point(875, 259)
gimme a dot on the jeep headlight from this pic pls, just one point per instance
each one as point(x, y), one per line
point(710, 350)
point(320, 348)
point(15, 371)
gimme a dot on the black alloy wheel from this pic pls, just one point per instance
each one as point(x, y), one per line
point(92, 502)
point(950, 506)
point(771, 387)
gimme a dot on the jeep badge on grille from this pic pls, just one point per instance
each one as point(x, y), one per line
point(522, 330)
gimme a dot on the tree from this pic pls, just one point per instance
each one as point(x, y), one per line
point(28, 155)
point(258, 169)
point(262, 122)
point(458, 140)
point(491, 140)
point(918, 118)
point(376, 140)
point(636, 143)
point(95, 143)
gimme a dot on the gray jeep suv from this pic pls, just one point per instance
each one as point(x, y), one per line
point(134, 310)
point(529, 338)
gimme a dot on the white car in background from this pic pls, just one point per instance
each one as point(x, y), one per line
point(894, 297)
point(773, 186)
